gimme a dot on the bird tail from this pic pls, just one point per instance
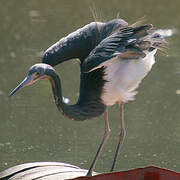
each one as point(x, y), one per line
point(148, 39)
point(144, 40)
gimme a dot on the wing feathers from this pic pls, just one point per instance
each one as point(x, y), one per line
point(132, 55)
point(127, 43)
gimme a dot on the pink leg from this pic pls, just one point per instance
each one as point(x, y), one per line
point(105, 137)
point(122, 135)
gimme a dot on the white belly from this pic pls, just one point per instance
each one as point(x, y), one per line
point(123, 78)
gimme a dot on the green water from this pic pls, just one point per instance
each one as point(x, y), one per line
point(32, 129)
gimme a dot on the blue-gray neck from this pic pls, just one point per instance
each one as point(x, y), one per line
point(89, 104)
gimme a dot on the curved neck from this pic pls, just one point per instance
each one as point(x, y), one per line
point(78, 111)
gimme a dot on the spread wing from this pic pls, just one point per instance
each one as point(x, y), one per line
point(125, 44)
point(81, 42)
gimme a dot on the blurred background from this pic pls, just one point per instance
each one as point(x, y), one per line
point(31, 127)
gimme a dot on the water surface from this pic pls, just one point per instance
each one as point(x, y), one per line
point(32, 129)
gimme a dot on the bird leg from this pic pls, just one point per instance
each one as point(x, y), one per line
point(122, 135)
point(105, 137)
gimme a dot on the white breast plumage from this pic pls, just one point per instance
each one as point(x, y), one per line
point(123, 77)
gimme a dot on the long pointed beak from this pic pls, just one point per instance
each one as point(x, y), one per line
point(27, 81)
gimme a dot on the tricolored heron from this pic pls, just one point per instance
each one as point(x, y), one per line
point(111, 70)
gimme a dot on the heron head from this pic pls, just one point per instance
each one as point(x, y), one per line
point(35, 73)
